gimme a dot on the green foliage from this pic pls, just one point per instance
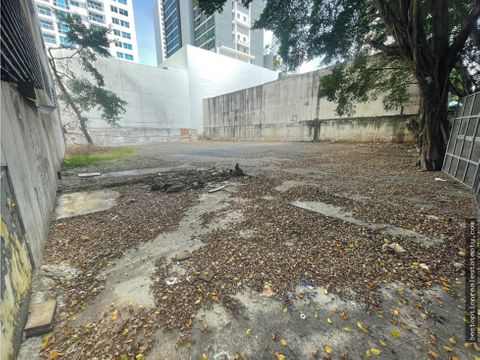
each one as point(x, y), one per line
point(94, 158)
point(346, 33)
point(85, 90)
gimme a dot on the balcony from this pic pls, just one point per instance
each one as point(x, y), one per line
point(241, 22)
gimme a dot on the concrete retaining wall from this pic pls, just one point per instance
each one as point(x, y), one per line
point(32, 148)
point(290, 110)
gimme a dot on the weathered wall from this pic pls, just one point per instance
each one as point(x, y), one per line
point(290, 110)
point(161, 101)
point(32, 147)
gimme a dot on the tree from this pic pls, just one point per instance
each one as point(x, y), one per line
point(84, 91)
point(383, 46)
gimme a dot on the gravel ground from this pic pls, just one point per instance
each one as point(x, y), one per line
point(273, 248)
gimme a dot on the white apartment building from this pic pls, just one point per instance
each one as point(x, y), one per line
point(114, 14)
point(180, 22)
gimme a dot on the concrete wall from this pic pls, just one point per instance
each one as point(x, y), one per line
point(290, 110)
point(32, 147)
point(157, 100)
point(164, 100)
point(211, 74)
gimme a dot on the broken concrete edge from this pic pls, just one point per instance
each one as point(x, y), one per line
point(87, 175)
point(217, 189)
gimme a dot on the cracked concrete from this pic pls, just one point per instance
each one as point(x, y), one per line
point(128, 279)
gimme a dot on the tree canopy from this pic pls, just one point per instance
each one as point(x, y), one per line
point(383, 47)
point(84, 91)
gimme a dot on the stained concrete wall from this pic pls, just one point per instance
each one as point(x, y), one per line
point(167, 101)
point(32, 147)
point(290, 110)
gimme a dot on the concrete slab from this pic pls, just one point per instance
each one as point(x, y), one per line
point(82, 203)
point(40, 320)
point(338, 213)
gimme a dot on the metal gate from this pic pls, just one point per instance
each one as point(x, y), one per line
point(463, 150)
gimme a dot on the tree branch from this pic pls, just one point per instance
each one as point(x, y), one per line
point(393, 51)
point(459, 42)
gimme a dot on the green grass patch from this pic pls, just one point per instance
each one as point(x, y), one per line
point(95, 157)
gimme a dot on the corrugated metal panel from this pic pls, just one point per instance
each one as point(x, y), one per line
point(463, 150)
point(20, 61)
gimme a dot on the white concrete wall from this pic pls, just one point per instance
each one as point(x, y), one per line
point(290, 110)
point(211, 74)
point(162, 100)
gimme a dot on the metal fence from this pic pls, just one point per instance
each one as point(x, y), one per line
point(463, 150)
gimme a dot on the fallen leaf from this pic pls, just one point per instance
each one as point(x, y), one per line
point(373, 352)
point(361, 327)
point(125, 331)
point(214, 297)
point(46, 341)
point(432, 354)
point(453, 340)
point(248, 332)
point(325, 291)
point(395, 334)
point(283, 342)
point(53, 355)
point(315, 315)
point(347, 329)
point(328, 349)
point(114, 315)
point(329, 321)
point(447, 348)
point(279, 356)
point(395, 312)
point(204, 356)
point(383, 343)
point(139, 357)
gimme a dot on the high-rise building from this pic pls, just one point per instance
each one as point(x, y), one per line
point(180, 22)
point(117, 14)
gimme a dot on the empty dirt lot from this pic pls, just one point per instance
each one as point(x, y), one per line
point(322, 250)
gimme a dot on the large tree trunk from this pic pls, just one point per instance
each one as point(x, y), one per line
point(433, 127)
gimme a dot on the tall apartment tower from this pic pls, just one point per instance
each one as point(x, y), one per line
point(117, 14)
point(180, 22)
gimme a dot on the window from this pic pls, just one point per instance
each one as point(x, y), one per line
point(46, 24)
point(126, 35)
point(123, 12)
point(127, 46)
point(114, 9)
point(65, 42)
point(128, 57)
point(62, 28)
point(92, 4)
point(124, 2)
point(238, 15)
point(116, 32)
point(60, 3)
point(74, 3)
point(118, 43)
point(238, 37)
point(244, 39)
point(49, 39)
point(96, 17)
point(125, 23)
point(115, 21)
point(245, 18)
point(44, 11)
point(119, 55)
